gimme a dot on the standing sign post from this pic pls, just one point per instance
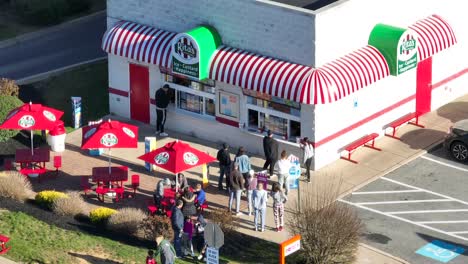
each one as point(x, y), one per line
point(214, 238)
point(288, 247)
point(212, 255)
point(76, 111)
point(150, 145)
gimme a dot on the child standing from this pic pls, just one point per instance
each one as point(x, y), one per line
point(260, 198)
point(278, 206)
point(150, 258)
point(250, 191)
point(188, 234)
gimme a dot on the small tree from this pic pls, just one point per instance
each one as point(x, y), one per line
point(329, 229)
point(154, 226)
point(8, 103)
point(8, 87)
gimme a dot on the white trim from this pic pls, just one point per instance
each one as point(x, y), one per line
point(445, 164)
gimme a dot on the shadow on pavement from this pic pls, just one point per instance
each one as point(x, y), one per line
point(422, 138)
point(454, 111)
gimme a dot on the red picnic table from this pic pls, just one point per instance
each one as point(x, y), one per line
point(110, 183)
point(32, 163)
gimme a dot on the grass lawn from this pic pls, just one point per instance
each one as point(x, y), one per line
point(90, 82)
point(35, 241)
point(12, 26)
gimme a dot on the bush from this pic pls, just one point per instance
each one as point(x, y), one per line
point(226, 221)
point(8, 87)
point(15, 186)
point(157, 225)
point(101, 215)
point(329, 229)
point(126, 220)
point(8, 103)
point(46, 199)
point(72, 204)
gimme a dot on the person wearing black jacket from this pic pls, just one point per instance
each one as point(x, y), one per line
point(224, 166)
point(177, 221)
point(270, 147)
point(162, 101)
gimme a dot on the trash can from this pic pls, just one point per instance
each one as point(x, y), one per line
point(56, 137)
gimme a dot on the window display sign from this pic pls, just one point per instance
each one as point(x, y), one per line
point(228, 104)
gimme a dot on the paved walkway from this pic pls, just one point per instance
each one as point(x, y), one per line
point(339, 178)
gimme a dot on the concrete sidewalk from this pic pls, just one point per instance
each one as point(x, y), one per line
point(343, 175)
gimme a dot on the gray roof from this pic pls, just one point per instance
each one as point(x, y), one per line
point(307, 4)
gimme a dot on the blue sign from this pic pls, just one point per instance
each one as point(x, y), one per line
point(440, 251)
point(294, 174)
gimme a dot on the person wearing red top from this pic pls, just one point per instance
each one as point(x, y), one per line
point(150, 258)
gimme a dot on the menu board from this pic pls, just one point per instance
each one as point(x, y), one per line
point(228, 104)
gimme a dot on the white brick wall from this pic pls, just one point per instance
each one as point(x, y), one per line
point(271, 30)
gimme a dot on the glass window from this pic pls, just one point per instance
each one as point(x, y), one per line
point(205, 86)
point(295, 130)
point(190, 102)
point(280, 107)
point(254, 123)
point(210, 108)
point(277, 125)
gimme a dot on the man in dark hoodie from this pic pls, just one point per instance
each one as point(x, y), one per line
point(162, 101)
point(270, 147)
point(177, 220)
point(224, 159)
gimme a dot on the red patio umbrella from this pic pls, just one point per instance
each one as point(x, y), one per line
point(109, 134)
point(176, 157)
point(32, 117)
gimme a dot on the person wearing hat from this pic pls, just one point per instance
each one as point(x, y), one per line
point(224, 166)
point(159, 192)
point(270, 147)
point(162, 101)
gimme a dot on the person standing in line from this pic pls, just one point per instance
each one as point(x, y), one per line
point(278, 206)
point(244, 165)
point(237, 183)
point(158, 194)
point(188, 235)
point(252, 187)
point(165, 251)
point(224, 166)
point(177, 221)
point(188, 209)
point(270, 147)
point(162, 101)
point(282, 166)
point(260, 198)
point(201, 195)
point(308, 154)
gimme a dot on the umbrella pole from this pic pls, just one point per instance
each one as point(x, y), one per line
point(109, 161)
point(176, 183)
point(32, 143)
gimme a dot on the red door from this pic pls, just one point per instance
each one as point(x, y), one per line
point(423, 86)
point(139, 93)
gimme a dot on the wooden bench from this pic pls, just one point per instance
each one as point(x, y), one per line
point(3, 247)
point(363, 141)
point(406, 119)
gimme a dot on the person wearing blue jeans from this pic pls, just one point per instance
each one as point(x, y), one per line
point(260, 198)
point(177, 220)
point(250, 190)
point(237, 183)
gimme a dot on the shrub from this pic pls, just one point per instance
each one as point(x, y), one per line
point(8, 103)
point(46, 199)
point(15, 186)
point(126, 220)
point(72, 204)
point(8, 87)
point(226, 221)
point(157, 225)
point(101, 215)
point(329, 229)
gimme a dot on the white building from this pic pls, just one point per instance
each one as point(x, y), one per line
point(332, 70)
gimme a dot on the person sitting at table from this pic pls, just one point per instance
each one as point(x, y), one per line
point(181, 180)
point(201, 195)
point(159, 192)
point(188, 198)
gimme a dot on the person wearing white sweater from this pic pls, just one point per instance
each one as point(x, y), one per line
point(283, 166)
point(260, 198)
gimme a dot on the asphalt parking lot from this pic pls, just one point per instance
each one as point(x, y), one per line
point(418, 212)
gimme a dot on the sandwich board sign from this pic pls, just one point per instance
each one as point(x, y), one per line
point(288, 247)
point(212, 255)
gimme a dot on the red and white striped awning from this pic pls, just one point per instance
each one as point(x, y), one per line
point(139, 42)
point(434, 35)
point(259, 73)
point(344, 76)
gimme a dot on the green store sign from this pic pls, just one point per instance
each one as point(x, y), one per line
point(399, 47)
point(191, 51)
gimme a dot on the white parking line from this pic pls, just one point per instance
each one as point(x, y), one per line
point(442, 222)
point(408, 201)
point(431, 192)
point(427, 211)
point(445, 164)
point(384, 192)
point(459, 232)
point(405, 220)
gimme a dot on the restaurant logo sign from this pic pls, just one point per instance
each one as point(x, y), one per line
point(90, 132)
point(407, 56)
point(128, 132)
point(109, 140)
point(26, 121)
point(190, 158)
point(49, 115)
point(185, 56)
point(162, 158)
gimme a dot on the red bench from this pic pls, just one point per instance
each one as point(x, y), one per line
point(3, 247)
point(26, 172)
point(363, 141)
point(403, 120)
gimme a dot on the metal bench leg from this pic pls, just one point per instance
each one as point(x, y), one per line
point(416, 123)
point(393, 134)
point(349, 157)
point(372, 146)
